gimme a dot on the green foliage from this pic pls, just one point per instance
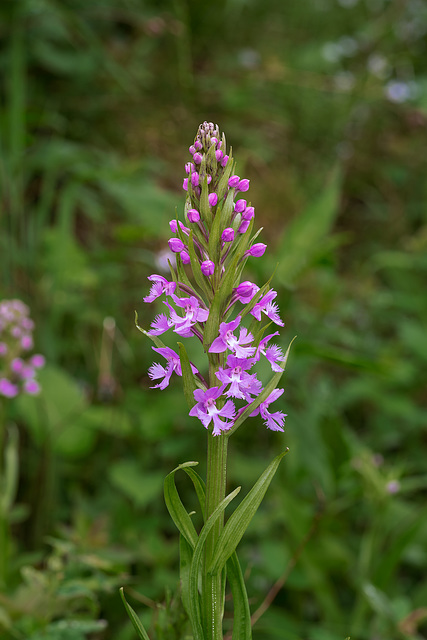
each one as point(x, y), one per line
point(98, 102)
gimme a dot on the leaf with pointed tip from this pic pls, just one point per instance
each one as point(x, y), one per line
point(242, 629)
point(195, 615)
point(176, 509)
point(197, 272)
point(185, 557)
point(239, 520)
point(223, 183)
point(134, 618)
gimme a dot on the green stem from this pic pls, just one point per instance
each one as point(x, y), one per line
point(215, 492)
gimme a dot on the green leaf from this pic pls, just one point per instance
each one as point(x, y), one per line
point(272, 384)
point(176, 509)
point(223, 183)
point(134, 618)
point(242, 629)
point(240, 519)
point(195, 615)
point(9, 481)
point(187, 376)
point(185, 557)
point(197, 272)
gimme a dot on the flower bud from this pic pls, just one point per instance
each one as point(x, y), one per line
point(195, 179)
point(240, 206)
point(246, 291)
point(233, 181)
point(185, 257)
point(243, 185)
point(244, 225)
point(213, 199)
point(193, 215)
point(227, 235)
point(224, 161)
point(176, 245)
point(197, 158)
point(192, 149)
point(207, 267)
point(257, 250)
point(219, 155)
point(198, 145)
point(185, 184)
point(189, 167)
point(248, 213)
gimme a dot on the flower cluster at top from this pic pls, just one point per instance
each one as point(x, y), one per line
point(215, 242)
point(17, 370)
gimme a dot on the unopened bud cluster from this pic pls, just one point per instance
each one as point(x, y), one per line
point(215, 241)
point(17, 369)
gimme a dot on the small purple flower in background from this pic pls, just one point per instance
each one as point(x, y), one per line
point(393, 486)
point(17, 374)
point(273, 421)
point(207, 411)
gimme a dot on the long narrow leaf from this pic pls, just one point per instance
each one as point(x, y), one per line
point(240, 519)
point(185, 557)
point(189, 383)
point(195, 615)
point(134, 618)
point(175, 507)
point(242, 629)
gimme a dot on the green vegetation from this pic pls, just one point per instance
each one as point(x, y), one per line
point(326, 102)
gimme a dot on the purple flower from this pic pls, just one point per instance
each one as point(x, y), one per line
point(197, 158)
point(160, 324)
point(185, 184)
point(244, 226)
point(26, 342)
point(265, 305)
point(198, 145)
point(32, 387)
point(227, 340)
point(207, 411)
point(193, 215)
point(189, 167)
point(213, 199)
point(246, 291)
point(224, 161)
point(7, 388)
point(273, 421)
point(233, 181)
point(243, 185)
point(173, 363)
point(257, 250)
point(273, 353)
point(242, 384)
point(240, 206)
point(37, 361)
point(219, 155)
point(193, 313)
point(185, 257)
point(174, 227)
point(195, 178)
point(207, 267)
point(3, 349)
point(160, 285)
point(17, 365)
point(176, 245)
point(248, 213)
point(227, 235)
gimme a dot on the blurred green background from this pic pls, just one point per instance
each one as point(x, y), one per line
point(325, 105)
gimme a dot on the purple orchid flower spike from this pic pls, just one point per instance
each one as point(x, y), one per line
point(227, 340)
point(207, 411)
point(160, 285)
point(173, 364)
point(267, 306)
point(242, 384)
point(273, 421)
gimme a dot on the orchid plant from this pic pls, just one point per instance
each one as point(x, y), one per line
point(206, 300)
